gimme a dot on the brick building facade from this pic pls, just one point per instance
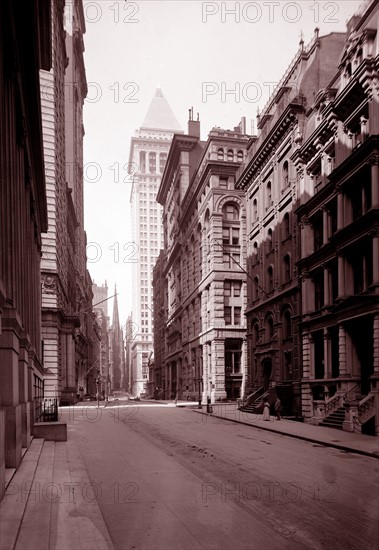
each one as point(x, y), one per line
point(199, 281)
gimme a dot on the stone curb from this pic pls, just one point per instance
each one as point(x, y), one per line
point(296, 436)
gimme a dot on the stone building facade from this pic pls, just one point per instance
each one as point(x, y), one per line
point(148, 154)
point(66, 285)
point(25, 48)
point(199, 281)
point(272, 190)
point(337, 162)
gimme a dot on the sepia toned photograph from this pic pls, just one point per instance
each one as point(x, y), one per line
point(189, 275)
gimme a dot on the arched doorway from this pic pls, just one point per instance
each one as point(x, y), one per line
point(267, 371)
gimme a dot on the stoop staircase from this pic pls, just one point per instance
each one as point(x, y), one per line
point(254, 402)
point(335, 419)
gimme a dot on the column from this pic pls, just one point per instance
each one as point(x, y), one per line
point(340, 211)
point(376, 345)
point(327, 293)
point(10, 389)
point(23, 363)
point(306, 293)
point(218, 392)
point(341, 275)
point(342, 350)
point(325, 225)
point(375, 181)
point(307, 246)
point(306, 393)
point(70, 361)
point(327, 355)
point(375, 256)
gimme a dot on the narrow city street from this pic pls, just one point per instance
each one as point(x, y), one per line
point(168, 478)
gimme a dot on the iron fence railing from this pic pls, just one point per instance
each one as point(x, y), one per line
point(46, 410)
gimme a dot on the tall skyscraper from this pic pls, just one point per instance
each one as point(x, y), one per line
point(148, 154)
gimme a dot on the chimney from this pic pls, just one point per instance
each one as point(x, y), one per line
point(243, 125)
point(193, 125)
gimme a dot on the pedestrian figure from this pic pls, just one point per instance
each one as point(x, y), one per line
point(277, 407)
point(266, 409)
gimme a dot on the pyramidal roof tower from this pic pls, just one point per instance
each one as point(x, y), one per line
point(148, 154)
point(159, 115)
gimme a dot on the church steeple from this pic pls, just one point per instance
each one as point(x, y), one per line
point(115, 320)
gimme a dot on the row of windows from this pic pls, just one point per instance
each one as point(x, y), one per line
point(268, 198)
point(152, 159)
point(287, 276)
point(229, 155)
point(269, 330)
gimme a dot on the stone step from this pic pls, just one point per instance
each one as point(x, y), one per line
point(13, 504)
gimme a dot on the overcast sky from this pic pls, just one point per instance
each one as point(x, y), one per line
point(222, 58)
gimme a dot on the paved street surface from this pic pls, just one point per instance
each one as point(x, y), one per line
point(167, 478)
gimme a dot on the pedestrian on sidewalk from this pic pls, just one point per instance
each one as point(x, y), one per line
point(266, 409)
point(277, 407)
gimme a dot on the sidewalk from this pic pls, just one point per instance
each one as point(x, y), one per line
point(352, 442)
point(50, 503)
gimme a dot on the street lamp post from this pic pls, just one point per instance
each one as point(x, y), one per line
point(97, 389)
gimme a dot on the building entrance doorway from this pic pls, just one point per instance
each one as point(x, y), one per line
point(267, 371)
point(362, 335)
point(233, 387)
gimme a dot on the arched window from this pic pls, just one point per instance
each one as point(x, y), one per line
point(231, 234)
point(255, 251)
point(269, 240)
point(230, 155)
point(286, 324)
point(256, 288)
point(206, 220)
point(255, 210)
point(270, 279)
point(239, 156)
point(255, 333)
point(285, 175)
point(286, 223)
point(287, 268)
point(269, 194)
point(230, 229)
point(269, 328)
point(220, 153)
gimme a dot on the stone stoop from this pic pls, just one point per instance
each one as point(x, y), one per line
point(50, 503)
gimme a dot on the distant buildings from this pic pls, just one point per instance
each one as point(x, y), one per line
point(199, 279)
point(148, 154)
point(100, 307)
point(116, 350)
